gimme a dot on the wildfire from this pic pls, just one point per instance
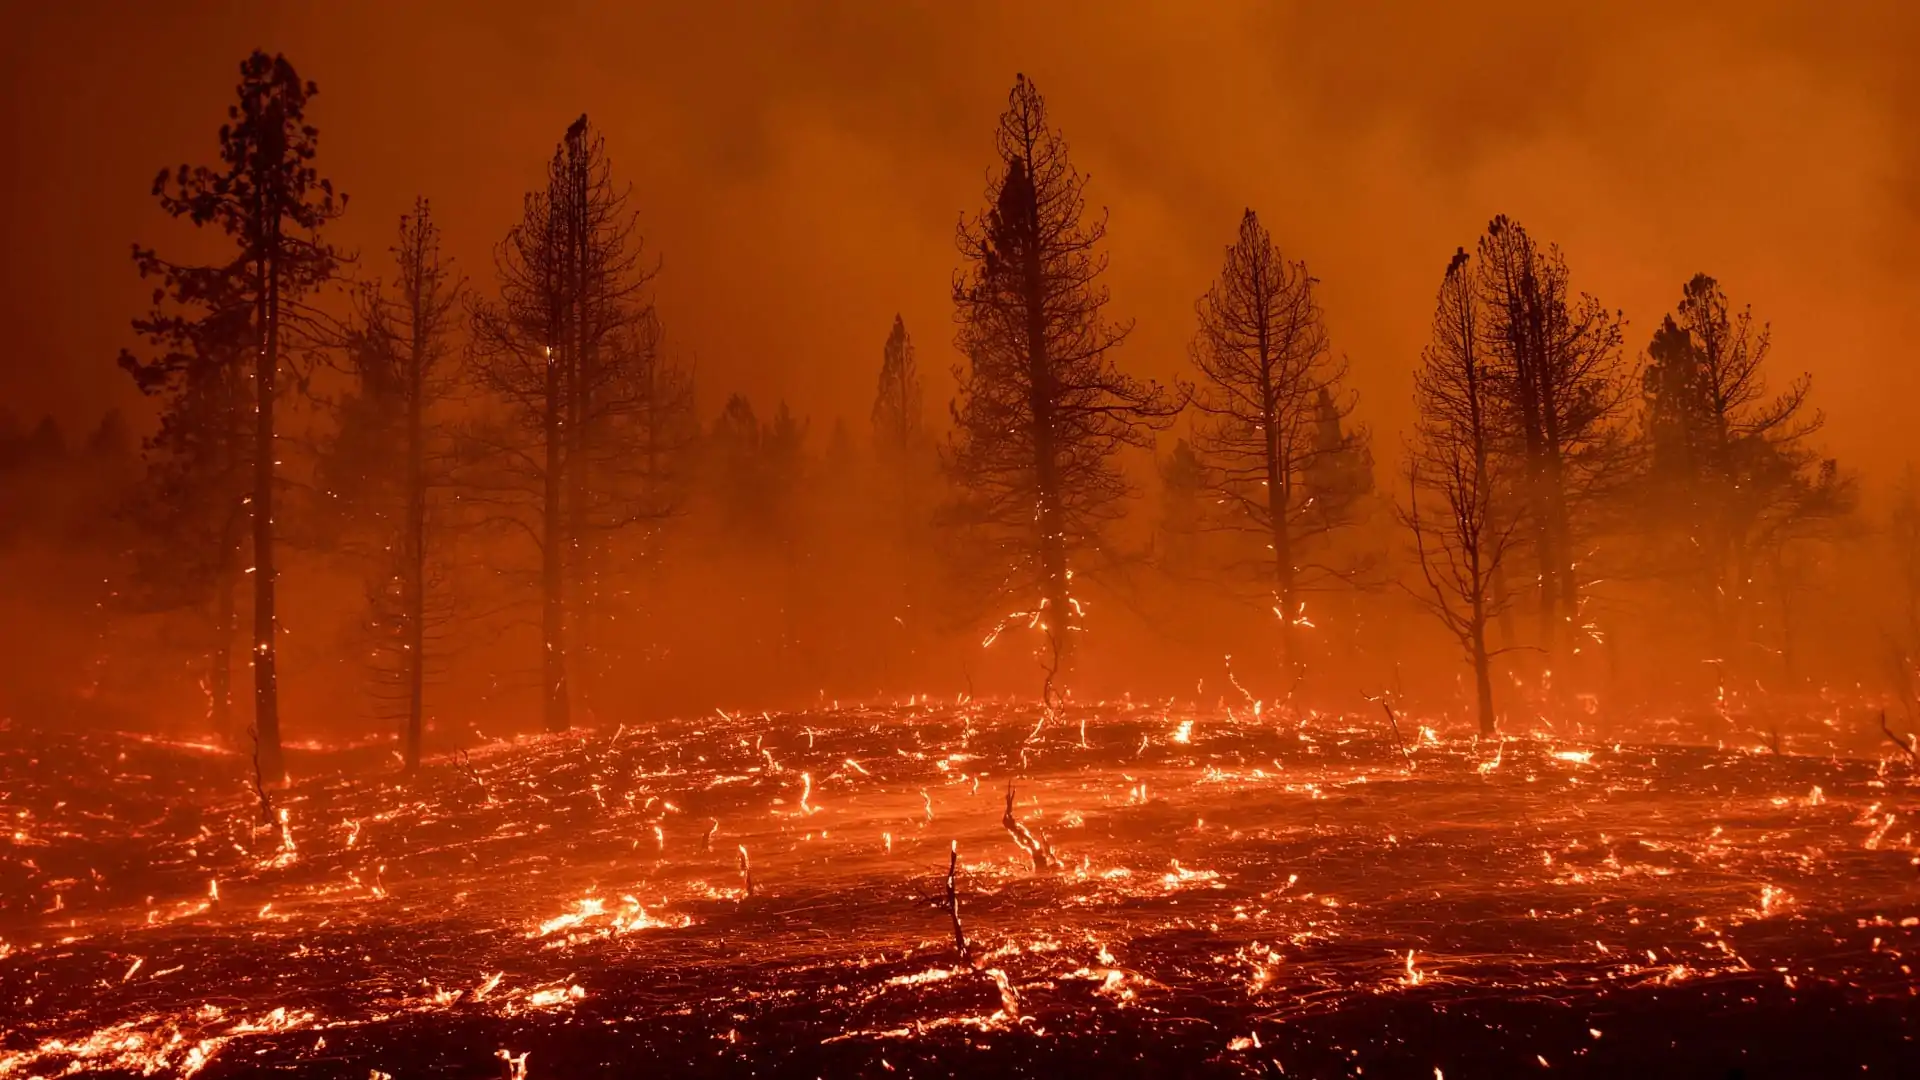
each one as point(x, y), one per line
point(1629, 867)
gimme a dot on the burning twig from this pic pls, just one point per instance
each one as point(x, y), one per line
point(746, 872)
point(1905, 745)
point(953, 904)
point(711, 830)
point(1394, 723)
point(1037, 849)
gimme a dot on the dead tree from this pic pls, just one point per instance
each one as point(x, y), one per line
point(1039, 852)
point(1461, 535)
point(389, 460)
point(589, 410)
point(1042, 410)
point(1277, 455)
point(953, 904)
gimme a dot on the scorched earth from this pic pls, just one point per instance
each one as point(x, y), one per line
point(1170, 892)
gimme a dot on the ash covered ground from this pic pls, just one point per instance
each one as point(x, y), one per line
point(1224, 894)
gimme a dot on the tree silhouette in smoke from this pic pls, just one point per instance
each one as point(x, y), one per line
point(268, 197)
point(1042, 410)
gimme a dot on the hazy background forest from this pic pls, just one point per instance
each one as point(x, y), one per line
point(774, 521)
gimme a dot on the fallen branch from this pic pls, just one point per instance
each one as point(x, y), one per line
point(953, 904)
point(1905, 745)
point(1038, 851)
point(1394, 722)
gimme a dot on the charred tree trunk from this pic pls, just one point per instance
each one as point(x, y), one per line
point(1053, 542)
point(1279, 500)
point(553, 620)
point(416, 523)
point(266, 685)
point(1482, 671)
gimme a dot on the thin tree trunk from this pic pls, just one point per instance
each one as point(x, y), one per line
point(1530, 357)
point(582, 376)
point(1482, 672)
point(416, 539)
point(1546, 553)
point(553, 567)
point(1279, 494)
point(266, 686)
point(1053, 541)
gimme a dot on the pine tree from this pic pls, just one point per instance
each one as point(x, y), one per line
point(1561, 392)
point(898, 420)
point(1278, 458)
point(1183, 493)
point(388, 461)
point(268, 197)
point(1730, 463)
point(1042, 410)
point(1461, 534)
point(905, 460)
point(572, 347)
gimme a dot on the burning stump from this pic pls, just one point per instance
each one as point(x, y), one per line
point(1039, 852)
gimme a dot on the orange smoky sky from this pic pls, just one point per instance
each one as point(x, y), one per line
point(800, 167)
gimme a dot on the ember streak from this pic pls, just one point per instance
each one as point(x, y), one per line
point(1289, 888)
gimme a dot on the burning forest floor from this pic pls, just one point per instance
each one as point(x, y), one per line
point(1174, 893)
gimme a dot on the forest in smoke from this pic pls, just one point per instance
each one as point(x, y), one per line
point(390, 494)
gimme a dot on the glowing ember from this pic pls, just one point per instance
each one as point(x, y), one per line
point(1280, 871)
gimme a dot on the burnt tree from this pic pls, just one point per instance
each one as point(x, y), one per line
point(1278, 456)
point(269, 199)
point(1559, 389)
point(571, 350)
point(1461, 534)
point(904, 456)
point(1042, 411)
point(388, 462)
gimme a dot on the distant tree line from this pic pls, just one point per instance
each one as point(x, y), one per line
point(540, 416)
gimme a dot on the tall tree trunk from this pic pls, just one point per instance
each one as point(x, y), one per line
point(416, 538)
point(266, 685)
point(582, 378)
point(1530, 357)
point(1482, 671)
point(583, 591)
point(553, 564)
point(576, 512)
point(1053, 541)
point(1279, 497)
